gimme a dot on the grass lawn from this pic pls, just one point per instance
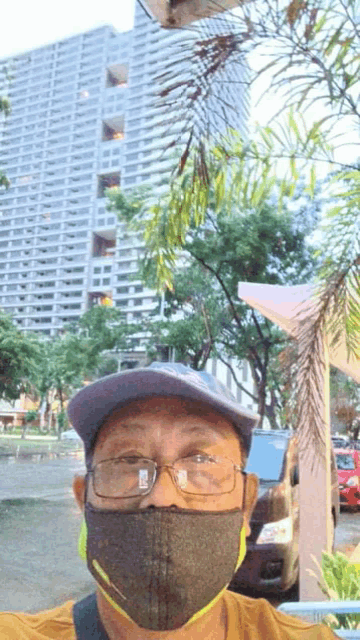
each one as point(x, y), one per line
point(16, 446)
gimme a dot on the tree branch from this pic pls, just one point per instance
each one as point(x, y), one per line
point(241, 386)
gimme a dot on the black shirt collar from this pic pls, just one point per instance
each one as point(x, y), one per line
point(87, 620)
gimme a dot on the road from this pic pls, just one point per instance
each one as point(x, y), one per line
point(39, 526)
point(347, 533)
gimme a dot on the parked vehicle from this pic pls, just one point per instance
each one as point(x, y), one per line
point(348, 465)
point(71, 434)
point(339, 442)
point(272, 560)
point(354, 444)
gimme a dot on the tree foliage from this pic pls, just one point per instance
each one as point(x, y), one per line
point(5, 110)
point(345, 397)
point(77, 354)
point(307, 54)
point(20, 356)
point(206, 318)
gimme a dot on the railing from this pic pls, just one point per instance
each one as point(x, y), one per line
point(316, 611)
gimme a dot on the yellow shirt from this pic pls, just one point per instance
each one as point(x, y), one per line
point(247, 619)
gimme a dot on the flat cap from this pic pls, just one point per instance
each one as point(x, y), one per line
point(90, 407)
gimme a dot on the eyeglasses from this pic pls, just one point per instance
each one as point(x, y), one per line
point(132, 477)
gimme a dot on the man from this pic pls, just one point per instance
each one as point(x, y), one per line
point(167, 509)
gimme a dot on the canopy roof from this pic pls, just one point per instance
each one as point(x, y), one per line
point(287, 306)
point(179, 13)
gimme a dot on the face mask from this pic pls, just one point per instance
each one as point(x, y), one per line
point(160, 567)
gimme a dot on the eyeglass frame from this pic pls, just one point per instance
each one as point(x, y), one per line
point(236, 467)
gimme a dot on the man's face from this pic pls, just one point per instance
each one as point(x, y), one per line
point(165, 430)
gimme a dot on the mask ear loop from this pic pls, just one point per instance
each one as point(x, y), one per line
point(82, 541)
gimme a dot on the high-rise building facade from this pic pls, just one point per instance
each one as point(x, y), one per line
point(83, 119)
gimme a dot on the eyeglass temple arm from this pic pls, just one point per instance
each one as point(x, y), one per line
point(244, 488)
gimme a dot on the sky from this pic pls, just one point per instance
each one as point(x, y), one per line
point(43, 22)
point(26, 25)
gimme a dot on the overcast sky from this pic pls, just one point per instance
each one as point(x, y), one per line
point(26, 25)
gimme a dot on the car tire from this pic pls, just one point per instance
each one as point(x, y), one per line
point(292, 593)
point(353, 508)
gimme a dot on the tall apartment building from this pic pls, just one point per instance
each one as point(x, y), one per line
point(83, 119)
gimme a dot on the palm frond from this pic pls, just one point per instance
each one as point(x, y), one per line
point(334, 312)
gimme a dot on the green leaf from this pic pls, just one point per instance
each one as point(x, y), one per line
point(293, 125)
point(220, 181)
point(294, 173)
point(312, 181)
point(334, 39)
point(320, 23)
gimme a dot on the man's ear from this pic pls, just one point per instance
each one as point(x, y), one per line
point(79, 491)
point(250, 499)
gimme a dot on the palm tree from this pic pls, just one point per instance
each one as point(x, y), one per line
point(306, 54)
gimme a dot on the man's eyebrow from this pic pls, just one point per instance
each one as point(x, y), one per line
point(129, 424)
point(203, 430)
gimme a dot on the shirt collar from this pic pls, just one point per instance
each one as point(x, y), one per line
point(87, 620)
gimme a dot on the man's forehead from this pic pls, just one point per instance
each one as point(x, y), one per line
point(190, 417)
point(166, 406)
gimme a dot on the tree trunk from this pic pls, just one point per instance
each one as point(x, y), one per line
point(50, 413)
point(58, 427)
point(257, 382)
point(42, 411)
point(355, 433)
point(270, 411)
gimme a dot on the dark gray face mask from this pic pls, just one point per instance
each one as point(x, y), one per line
point(163, 567)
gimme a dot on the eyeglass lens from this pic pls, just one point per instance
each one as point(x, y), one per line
point(130, 477)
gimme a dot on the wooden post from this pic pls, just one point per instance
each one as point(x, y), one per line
point(315, 492)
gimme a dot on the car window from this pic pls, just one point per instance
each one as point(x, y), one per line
point(345, 461)
point(339, 443)
point(266, 457)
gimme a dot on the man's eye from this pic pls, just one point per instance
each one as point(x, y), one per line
point(128, 460)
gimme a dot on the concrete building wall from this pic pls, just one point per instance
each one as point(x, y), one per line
point(84, 117)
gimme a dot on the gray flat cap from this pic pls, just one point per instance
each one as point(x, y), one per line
point(90, 407)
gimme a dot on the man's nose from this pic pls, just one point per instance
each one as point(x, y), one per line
point(164, 493)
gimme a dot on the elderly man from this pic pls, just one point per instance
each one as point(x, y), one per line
point(167, 508)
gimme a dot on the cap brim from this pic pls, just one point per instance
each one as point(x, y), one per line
point(90, 407)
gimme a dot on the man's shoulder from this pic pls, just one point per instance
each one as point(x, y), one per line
point(51, 623)
point(259, 620)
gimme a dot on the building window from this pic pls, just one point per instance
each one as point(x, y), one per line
point(117, 76)
point(113, 129)
point(104, 244)
point(107, 181)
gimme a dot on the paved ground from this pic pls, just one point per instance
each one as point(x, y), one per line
point(10, 436)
